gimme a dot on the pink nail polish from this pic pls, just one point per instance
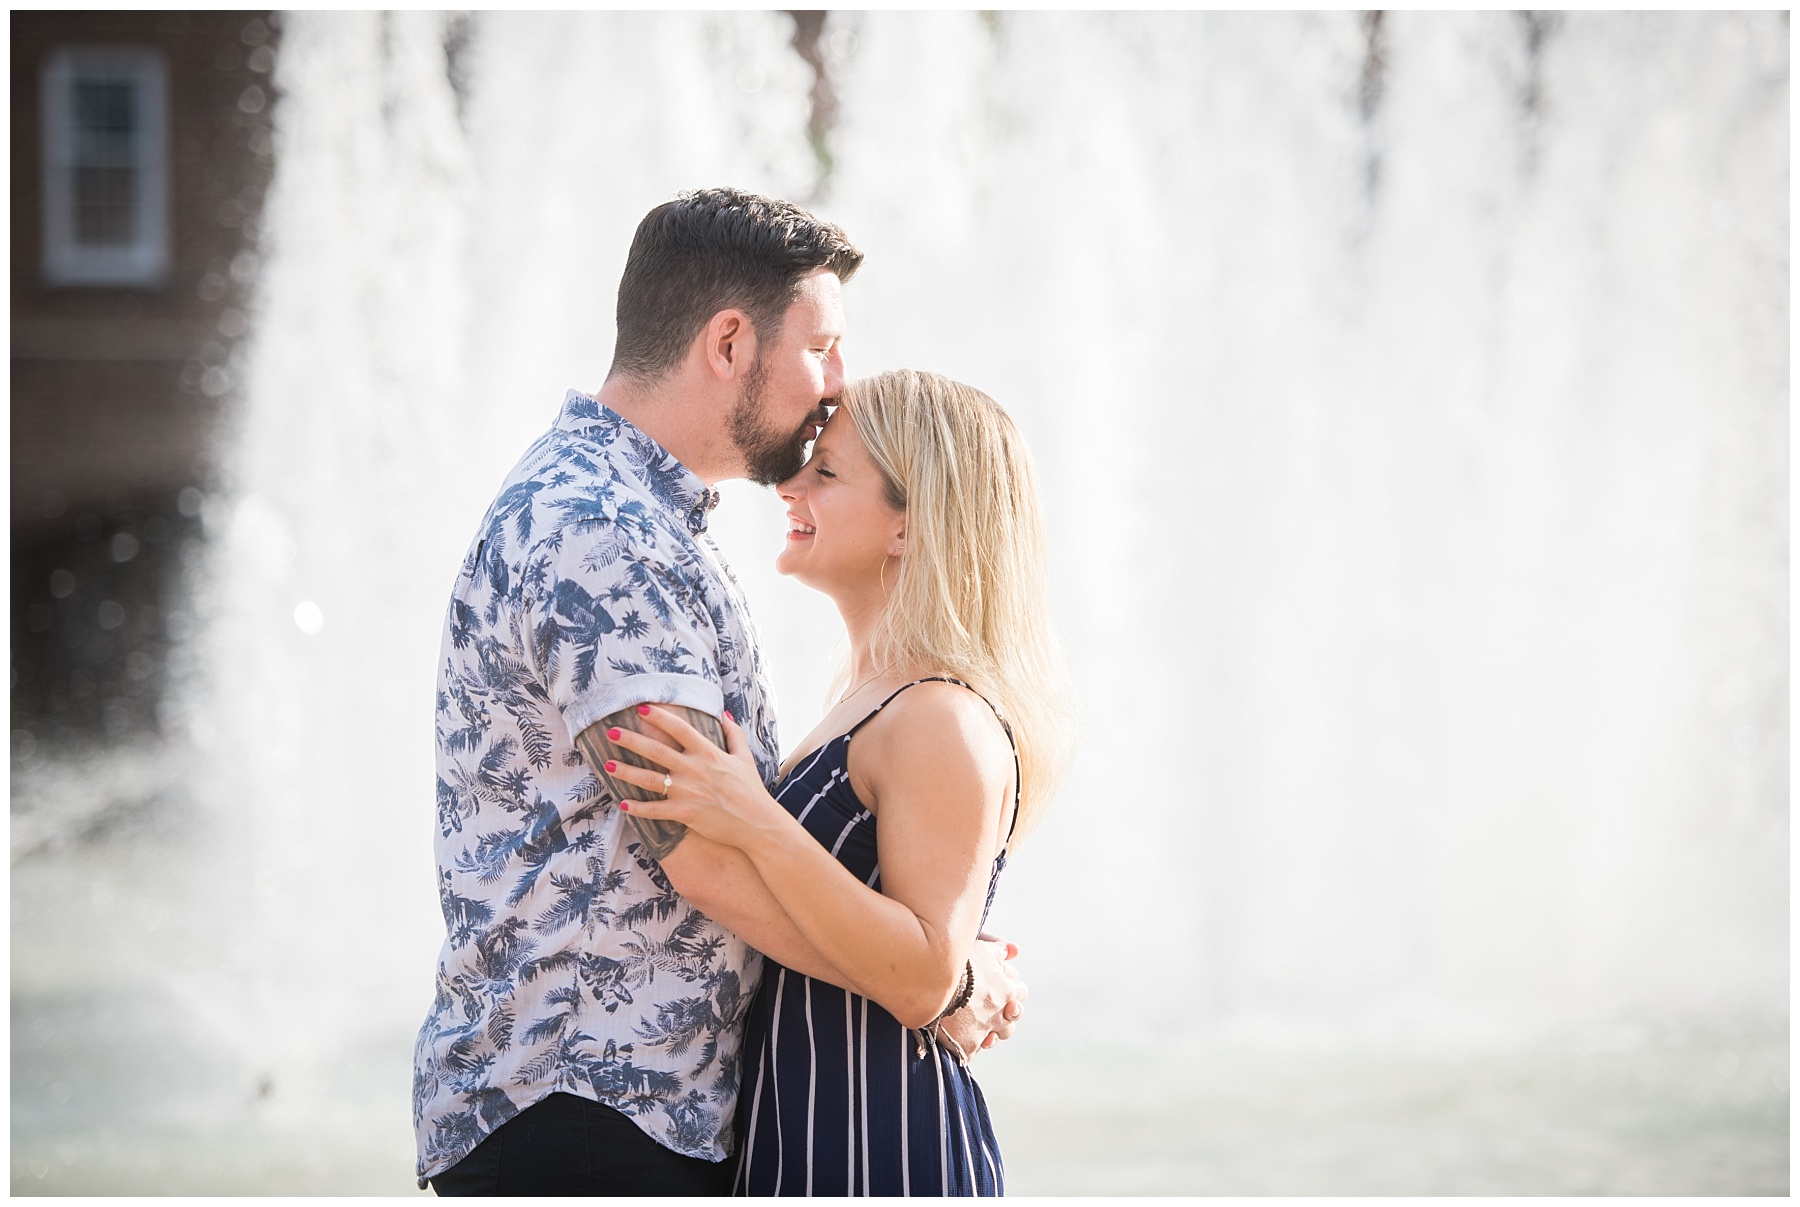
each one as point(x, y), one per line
point(643, 710)
point(613, 734)
point(729, 717)
point(624, 807)
point(611, 766)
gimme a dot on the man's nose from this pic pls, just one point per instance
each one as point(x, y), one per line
point(834, 374)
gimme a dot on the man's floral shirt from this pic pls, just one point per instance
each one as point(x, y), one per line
point(569, 963)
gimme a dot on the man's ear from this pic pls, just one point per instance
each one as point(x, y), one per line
point(729, 344)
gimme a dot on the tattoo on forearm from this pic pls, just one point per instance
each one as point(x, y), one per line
point(658, 837)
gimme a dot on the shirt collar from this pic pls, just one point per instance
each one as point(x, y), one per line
point(667, 479)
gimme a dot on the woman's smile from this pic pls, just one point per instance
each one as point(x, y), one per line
point(841, 528)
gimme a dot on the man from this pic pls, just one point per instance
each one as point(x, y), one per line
point(592, 987)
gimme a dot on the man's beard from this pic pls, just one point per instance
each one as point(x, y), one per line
point(769, 457)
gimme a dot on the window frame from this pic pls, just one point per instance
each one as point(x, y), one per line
point(145, 260)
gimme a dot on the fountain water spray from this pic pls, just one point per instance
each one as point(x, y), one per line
point(1409, 398)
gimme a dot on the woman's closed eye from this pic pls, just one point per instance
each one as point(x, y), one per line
point(823, 472)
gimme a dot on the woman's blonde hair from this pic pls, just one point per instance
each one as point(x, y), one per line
point(969, 598)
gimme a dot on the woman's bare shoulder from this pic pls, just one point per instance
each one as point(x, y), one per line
point(938, 729)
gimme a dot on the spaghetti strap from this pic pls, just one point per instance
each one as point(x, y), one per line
point(870, 715)
point(1018, 771)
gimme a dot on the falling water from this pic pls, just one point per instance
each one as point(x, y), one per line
point(1409, 394)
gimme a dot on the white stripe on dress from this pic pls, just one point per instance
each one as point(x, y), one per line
point(962, 1125)
point(830, 780)
point(862, 1051)
point(905, 1160)
point(987, 1154)
point(937, 1066)
point(849, 1101)
point(775, 1062)
point(749, 1146)
point(799, 773)
point(812, 1085)
point(861, 816)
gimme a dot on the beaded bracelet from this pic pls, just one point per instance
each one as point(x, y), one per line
point(935, 1028)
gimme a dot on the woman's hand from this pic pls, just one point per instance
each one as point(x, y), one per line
point(716, 793)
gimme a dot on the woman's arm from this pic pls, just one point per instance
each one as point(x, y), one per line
point(724, 885)
point(936, 770)
point(718, 880)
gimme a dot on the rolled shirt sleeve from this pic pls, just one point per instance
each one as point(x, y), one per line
point(621, 620)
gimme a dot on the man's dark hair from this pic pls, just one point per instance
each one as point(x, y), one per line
point(712, 250)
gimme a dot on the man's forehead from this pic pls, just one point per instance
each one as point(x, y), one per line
point(820, 299)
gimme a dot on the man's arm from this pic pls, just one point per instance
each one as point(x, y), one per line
point(659, 838)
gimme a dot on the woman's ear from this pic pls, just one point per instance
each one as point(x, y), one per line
point(897, 546)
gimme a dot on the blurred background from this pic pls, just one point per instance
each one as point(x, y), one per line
point(1410, 396)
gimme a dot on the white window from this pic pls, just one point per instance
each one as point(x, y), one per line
point(106, 202)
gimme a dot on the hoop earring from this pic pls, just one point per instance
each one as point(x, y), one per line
point(882, 576)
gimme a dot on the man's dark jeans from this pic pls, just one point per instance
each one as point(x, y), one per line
point(568, 1145)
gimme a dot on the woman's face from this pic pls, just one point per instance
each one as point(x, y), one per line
point(841, 528)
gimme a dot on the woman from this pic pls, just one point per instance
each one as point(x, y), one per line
point(918, 515)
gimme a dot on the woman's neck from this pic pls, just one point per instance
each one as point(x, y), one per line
point(859, 624)
point(861, 614)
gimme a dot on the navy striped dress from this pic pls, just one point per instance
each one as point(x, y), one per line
point(837, 1097)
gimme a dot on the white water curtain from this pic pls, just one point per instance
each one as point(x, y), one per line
point(1410, 402)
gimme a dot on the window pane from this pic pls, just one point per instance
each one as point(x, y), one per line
point(106, 194)
point(106, 105)
point(105, 147)
point(105, 205)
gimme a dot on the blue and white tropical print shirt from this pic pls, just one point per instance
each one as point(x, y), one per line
point(569, 962)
